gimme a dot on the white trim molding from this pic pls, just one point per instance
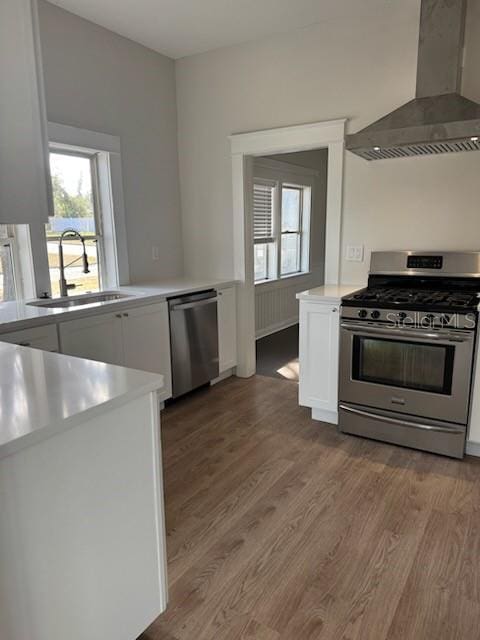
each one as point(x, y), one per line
point(285, 167)
point(245, 146)
point(110, 183)
point(303, 137)
point(62, 134)
point(322, 415)
point(473, 448)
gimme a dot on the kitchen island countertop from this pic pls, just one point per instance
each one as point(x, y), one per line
point(44, 393)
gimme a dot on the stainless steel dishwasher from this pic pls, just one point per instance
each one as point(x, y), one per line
point(193, 340)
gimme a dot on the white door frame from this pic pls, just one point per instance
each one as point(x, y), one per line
point(245, 146)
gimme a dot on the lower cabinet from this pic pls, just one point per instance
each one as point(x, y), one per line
point(44, 338)
point(227, 329)
point(318, 356)
point(146, 341)
point(138, 338)
point(96, 337)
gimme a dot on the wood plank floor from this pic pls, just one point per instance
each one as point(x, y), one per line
point(280, 528)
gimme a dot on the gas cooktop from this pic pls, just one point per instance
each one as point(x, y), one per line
point(414, 298)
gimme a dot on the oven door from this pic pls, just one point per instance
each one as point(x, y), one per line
point(407, 370)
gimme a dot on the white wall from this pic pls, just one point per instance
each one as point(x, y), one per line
point(359, 69)
point(98, 80)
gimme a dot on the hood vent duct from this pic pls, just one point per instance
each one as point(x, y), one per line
point(439, 119)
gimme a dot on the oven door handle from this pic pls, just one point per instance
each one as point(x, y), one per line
point(403, 423)
point(409, 333)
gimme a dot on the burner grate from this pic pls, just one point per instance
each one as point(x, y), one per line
point(419, 297)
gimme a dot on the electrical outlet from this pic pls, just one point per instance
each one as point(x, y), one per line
point(354, 253)
point(155, 253)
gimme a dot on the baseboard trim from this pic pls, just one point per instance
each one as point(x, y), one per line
point(223, 376)
point(325, 416)
point(473, 448)
point(275, 328)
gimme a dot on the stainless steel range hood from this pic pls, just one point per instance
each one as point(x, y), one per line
point(438, 119)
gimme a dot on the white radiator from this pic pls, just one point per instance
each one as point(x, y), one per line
point(276, 306)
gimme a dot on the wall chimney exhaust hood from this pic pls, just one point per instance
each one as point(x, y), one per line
point(438, 119)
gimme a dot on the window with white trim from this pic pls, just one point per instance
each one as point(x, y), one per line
point(77, 208)
point(263, 205)
point(8, 264)
point(281, 222)
point(88, 198)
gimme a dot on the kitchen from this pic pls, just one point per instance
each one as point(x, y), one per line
point(167, 133)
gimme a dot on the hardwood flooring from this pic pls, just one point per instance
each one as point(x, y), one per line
point(277, 354)
point(280, 528)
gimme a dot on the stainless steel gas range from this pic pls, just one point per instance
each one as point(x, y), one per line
point(407, 350)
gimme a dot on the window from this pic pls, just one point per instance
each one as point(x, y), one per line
point(263, 199)
point(8, 284)
point(292, 201)
point(86, 172)
point(76, 207)
point(281, 220)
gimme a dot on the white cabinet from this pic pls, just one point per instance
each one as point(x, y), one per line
point(82, 526)
point(473, 446)
point(24, 182)
point(146, 341)
point(138, 338)
point(227, 329)
point(318, 355)
point(44, 338)
point(95, 337)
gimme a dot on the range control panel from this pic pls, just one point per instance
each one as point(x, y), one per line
point(411, 319)
point(424, 262)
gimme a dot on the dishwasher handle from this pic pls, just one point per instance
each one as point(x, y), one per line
point(193, 305)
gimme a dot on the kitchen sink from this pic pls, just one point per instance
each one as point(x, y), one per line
point(87, 298)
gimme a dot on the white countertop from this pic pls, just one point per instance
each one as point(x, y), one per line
point(328, 293)
point(20, 315)
point(43, 393)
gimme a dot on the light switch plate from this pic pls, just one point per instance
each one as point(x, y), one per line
point(155, 253)
point(354, 253)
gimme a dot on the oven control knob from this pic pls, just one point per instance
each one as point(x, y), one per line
point(375, 314)
point(362, 313)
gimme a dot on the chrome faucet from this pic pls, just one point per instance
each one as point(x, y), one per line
point(64, 286)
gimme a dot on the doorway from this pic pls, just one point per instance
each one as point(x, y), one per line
point(245, 148)
point(289, 219)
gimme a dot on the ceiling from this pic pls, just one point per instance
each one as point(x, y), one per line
point(179, 28)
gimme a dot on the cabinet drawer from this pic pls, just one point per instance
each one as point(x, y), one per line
point(44, 338)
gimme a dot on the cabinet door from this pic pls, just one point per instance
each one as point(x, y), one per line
point(227, 329)
point(146, 339)
point(24, 182)
point(319, 335)
point(474, 422)
point(44, 338)
point(96, 338)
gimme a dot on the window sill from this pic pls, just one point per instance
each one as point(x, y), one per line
point(283, 279)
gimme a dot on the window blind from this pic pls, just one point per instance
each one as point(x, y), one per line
point(263, 212)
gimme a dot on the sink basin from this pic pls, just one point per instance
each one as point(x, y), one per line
point(87, 298)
